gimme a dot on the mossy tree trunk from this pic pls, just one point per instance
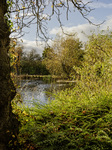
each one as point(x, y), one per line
point(7, 90)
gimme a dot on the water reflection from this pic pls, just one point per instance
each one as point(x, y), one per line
point(38, 90)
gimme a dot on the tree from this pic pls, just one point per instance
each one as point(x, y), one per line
point(31, 63)
point(48, 52)
point(65, 53)
point(99, 51)
point(52, 61)
point(97, 65)
point(25, 14)
point(8, 122)
point(71, 55)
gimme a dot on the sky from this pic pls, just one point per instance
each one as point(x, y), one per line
point(76, 23)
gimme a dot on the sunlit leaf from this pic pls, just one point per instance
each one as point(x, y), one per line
point(23, 7)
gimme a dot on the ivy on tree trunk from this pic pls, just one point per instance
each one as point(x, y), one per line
point(8, 123)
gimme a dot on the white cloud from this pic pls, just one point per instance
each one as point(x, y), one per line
point(29, 45)
point(84, 28)
point(107, 24)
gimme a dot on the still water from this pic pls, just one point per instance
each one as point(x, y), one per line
point(38, 90)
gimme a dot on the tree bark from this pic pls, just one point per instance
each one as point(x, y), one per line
point(7, 89)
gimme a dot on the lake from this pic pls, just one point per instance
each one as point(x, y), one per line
point(39, 90)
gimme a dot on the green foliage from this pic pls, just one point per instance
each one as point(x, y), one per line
point(31, 63)
point(97, 64)
point(63, 56)
point(25, 63)
point(15, 54)
point(47, 53)
point(51, 61)
point(7, 15)
point(72, 55)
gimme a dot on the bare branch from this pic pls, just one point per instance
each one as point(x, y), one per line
point(28, 12)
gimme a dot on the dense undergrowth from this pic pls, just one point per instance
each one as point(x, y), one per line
point(68, 122)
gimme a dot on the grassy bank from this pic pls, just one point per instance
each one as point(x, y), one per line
point(37, 77)
point(77, 120)
point(47, 78)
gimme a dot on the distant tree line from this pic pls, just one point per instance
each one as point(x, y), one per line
point(31, 63)
point(26, 62)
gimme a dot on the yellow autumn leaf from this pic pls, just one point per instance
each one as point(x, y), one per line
point(14, 42)
point(10, 141)
point(24, 112)
point(8, 131)
point(14, 29)
point(23, 7)
point(13, 136)
point(59, 4)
